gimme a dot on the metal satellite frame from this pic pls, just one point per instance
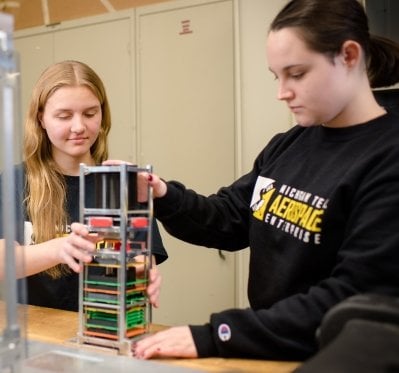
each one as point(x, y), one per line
point(114, 308)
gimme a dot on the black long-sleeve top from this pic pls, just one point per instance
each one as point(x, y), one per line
point(319, 212)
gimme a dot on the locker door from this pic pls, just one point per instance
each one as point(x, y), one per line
point(35, 54)
point(186, 125)
point(105, 46)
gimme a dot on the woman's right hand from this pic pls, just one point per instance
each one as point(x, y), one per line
point(78, 246)
point(144, 179)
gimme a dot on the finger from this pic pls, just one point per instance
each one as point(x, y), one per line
point(153, 296)
point(82, 244)
point(114, 162)
point(142, 187)
point(139, 264)
point(155, 351)
point(169, 343)
point(144, 348)
point(80, 249)
point(75, 249)
point(80, 229)
point(73, 264)
point(68, 257)
point(153, 289)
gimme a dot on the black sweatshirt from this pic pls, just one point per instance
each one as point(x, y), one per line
point(320, 214)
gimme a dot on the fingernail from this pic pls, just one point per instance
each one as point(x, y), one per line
point(150, 177)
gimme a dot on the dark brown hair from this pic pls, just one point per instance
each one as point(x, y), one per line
point(326, 24)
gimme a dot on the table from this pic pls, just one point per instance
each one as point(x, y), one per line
point(60, 327)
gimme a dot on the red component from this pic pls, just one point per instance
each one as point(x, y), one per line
point(100, 222)
point(139, 222)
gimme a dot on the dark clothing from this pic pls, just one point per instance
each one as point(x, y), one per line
point(319, 211)
point(62, 293)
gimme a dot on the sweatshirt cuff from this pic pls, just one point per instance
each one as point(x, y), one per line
point(202, 335)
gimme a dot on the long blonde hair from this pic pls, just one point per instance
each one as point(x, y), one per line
point(45, 186)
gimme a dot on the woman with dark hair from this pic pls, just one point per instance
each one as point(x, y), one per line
point(319, 209)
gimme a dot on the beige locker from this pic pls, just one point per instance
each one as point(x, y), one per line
point(186, 126)
point(104, 43)
point(35, 53)
point(106, 47)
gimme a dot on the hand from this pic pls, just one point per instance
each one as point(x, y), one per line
point(114, 162)
point(154, 286)
point(144, 180)
point(79, 245)
point(155, 279)
point(173, 342)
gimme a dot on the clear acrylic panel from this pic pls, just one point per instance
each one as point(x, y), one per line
point(12, 290)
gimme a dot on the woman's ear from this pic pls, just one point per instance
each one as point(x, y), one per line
point(40, 119)
point(351, 53)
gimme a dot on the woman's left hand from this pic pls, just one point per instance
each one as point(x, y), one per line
point(154, 286)
point(173, 342)
point(154, 278)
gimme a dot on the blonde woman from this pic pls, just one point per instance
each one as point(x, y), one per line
point(67, 124)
